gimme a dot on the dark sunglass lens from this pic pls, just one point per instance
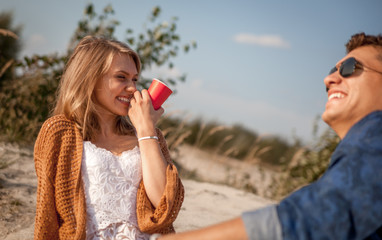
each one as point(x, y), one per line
point(347, 67)
point(333, 70)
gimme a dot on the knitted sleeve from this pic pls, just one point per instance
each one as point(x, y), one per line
point(60, 208)
point(45, 150)
point(160, 219)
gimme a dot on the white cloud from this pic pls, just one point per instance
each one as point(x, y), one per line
point(162, 72)
point(196, 83)
point(262, 40)
point(35, 41)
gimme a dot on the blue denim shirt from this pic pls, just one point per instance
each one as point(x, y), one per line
point(345, 203)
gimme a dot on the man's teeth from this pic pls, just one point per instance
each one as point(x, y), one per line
point(123, 99)
point(336, 95)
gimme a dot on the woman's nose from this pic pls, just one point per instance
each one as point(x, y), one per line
point(131, 86)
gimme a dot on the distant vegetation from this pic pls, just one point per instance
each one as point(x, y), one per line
point(298, 164)
point(231, 141)
point(28, 87)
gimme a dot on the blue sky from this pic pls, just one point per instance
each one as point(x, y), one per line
point(260, 64)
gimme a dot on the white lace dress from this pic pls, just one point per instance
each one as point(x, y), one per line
point(111, 183)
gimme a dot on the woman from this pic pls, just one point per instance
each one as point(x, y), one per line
point(100, 174)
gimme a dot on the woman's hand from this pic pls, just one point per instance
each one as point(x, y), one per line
point(142, 114)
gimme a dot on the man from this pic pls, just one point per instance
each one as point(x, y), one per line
point(346, 202)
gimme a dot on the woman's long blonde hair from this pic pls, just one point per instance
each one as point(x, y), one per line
point(89, 62)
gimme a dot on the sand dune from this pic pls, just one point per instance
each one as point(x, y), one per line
point(204, 204)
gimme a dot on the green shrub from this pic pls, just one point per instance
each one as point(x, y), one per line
point(27, 95)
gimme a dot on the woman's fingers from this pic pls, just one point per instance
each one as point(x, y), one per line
point(137, 96)
point(142, 97)
point(145, 94)
point(160, 111)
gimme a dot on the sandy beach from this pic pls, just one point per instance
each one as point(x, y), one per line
point(207, 200)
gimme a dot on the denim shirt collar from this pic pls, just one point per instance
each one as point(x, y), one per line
point(366, 133)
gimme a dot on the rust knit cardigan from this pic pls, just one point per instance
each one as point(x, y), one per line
point(61, 205)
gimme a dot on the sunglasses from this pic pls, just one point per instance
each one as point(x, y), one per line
point(348, 67)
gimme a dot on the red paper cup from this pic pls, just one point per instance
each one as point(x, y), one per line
point(158, 92)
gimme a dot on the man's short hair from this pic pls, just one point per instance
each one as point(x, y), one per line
point(361, 39)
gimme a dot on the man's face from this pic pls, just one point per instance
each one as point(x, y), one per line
point(352, 98)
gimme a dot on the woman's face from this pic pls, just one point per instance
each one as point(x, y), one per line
point(115, 89)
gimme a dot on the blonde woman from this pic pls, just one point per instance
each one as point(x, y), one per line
point(103, 168)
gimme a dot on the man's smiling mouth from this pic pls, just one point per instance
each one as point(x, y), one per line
point(336, 95)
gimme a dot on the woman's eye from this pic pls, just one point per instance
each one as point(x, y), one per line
point(121, 77)
point(135, 79)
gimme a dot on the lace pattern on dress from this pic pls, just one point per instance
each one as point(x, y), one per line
point(111, 183)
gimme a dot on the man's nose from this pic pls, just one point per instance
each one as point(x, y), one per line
point(331, 79)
